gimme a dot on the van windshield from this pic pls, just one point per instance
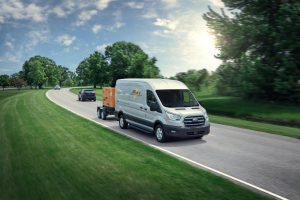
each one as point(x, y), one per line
point(176, 98)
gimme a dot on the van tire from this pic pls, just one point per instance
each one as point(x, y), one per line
point(160, 133)
point(99, 113)
point(103, 114)
point(122, 122)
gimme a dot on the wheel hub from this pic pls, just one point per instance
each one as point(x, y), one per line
point(159, 133)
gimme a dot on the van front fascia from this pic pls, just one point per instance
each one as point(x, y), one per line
point(186, 131)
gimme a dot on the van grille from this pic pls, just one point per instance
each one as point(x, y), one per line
point(194, 121)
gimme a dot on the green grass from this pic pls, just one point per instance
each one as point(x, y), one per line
point(47, 152)
point(257, 126)
point(276, 118)
point(97, 90)
point(257, 109)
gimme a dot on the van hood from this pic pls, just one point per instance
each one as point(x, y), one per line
point(187, 111)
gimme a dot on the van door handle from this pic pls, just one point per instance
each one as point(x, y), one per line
point(145, 108)
point(141, 107)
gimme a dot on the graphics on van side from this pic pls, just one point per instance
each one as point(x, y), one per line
point(136, 92)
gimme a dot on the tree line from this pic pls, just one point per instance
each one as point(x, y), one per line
point(259, 46)
point(37, 72)
point(120, 60)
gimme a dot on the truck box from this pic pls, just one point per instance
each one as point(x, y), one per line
point(109, 97)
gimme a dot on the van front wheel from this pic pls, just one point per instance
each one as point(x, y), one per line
point(122, 122)
point(160, 134)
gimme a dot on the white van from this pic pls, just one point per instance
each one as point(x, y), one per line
point(165, 107)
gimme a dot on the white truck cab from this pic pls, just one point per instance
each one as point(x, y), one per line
point(165, 107)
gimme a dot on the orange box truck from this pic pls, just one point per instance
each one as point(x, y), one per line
point(108, 106)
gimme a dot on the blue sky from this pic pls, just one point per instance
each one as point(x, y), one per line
point(68, 31)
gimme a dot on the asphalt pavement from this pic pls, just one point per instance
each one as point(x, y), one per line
point(267, 161)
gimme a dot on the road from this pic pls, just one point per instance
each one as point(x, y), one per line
point(268, 161)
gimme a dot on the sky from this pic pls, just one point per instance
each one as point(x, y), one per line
point(68, 31)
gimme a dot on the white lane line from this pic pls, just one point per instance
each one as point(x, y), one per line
point(177, 155)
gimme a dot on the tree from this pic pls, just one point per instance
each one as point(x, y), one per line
point(4, 81)
point(17, 81)
point(39, 70)
point(127, 60)
point(53, 74)
point(193, 78)
point(83, 72)
point(94, 70)
point(63, 75)
point(258, 48)
point(98, 69)
point(37, 74)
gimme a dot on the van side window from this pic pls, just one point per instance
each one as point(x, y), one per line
point(150, 98)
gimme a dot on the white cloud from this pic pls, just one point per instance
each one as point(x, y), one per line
point(135, 5)
point(9, 57)
point(35, 37)
point(20, 10)
point(163, 33)
point(101, 48)
point(17, 10)
point(217, 3)
point(170, 3)
point(68, 7)
point(171, 25)
point(9, 44)
point(96, 28)
point(2, 19)
point(151, 13)
point(118, 21)
point(102, 4)
point(85, 16)
point(118, 25)
point(115, 26)
point(151, 49)
point(59, 11)
point(65, 40)
point(35, 12)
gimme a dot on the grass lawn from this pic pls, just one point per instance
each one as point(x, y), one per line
point(97, 90)
point(47, 152)
point(257, 126)
point(280, 119)
point(264, 111)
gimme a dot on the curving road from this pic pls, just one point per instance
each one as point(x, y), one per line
point(267, 161)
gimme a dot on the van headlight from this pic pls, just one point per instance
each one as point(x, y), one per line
point(206, 116)
point(173, 116)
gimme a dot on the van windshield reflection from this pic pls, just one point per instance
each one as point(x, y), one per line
point(176, 98)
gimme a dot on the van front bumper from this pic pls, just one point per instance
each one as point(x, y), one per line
point(186, 131)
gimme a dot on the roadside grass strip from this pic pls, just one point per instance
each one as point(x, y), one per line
point(275, 118)
point(257, 126)
point(47, 152)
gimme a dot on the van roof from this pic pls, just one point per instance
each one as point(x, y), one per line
point(156, 84)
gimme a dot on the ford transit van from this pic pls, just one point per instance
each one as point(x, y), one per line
point(165, 107)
